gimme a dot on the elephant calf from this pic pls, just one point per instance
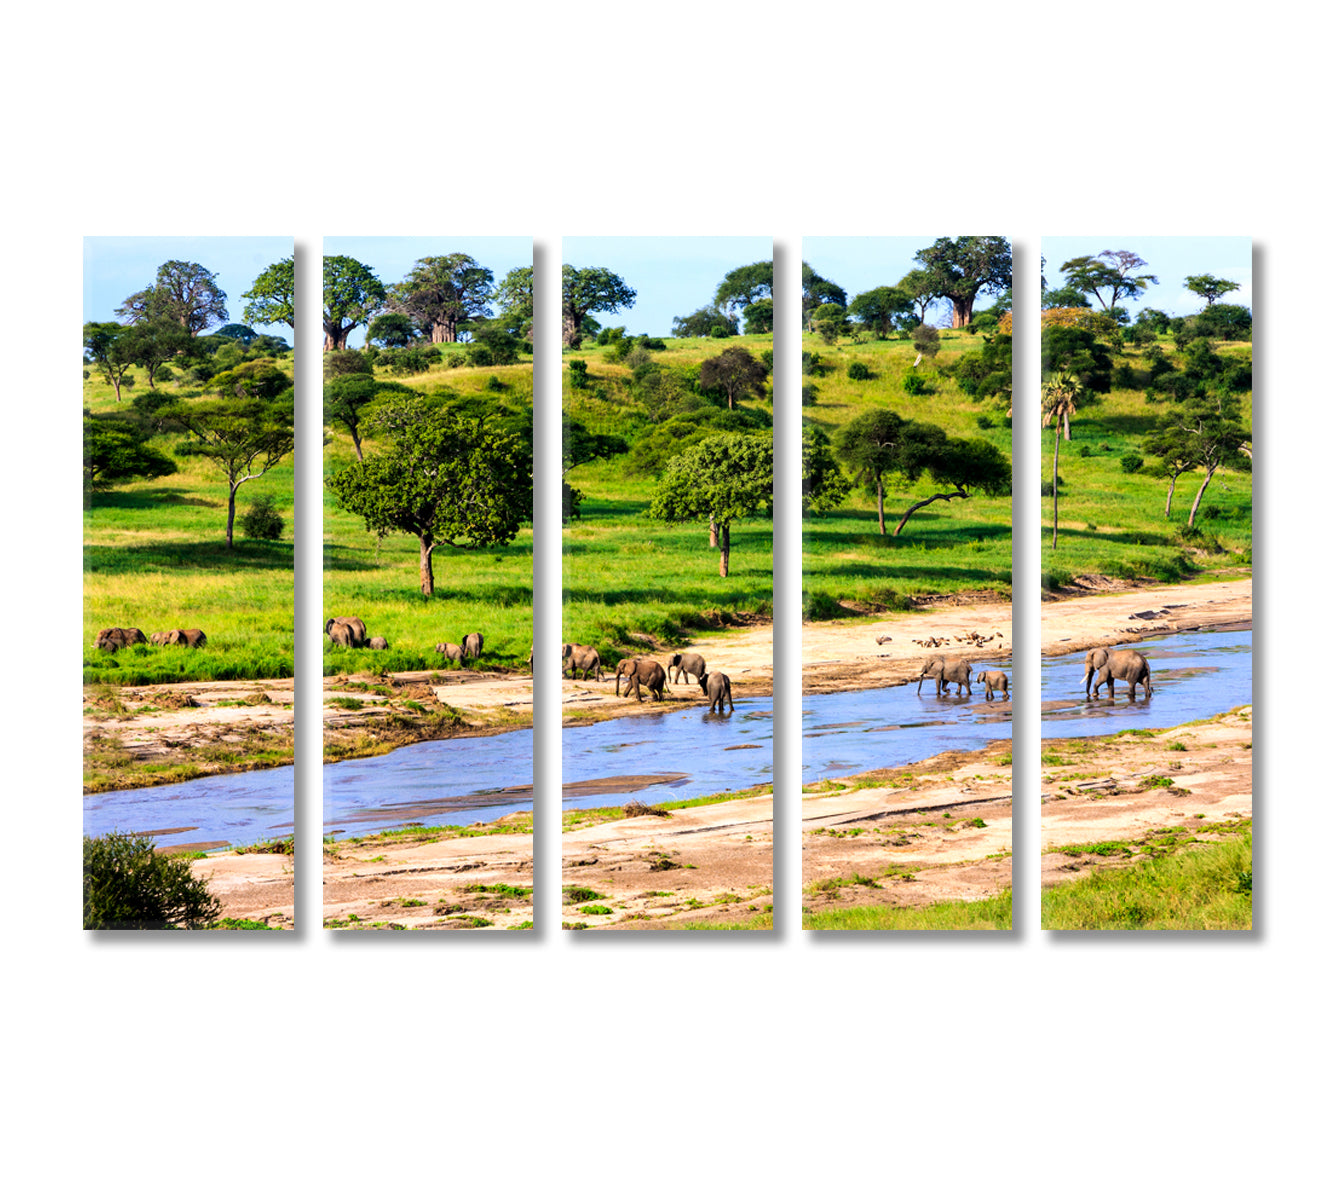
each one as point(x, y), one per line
point(117, 638)
point(649, 673)
point(995, 681)
point(378, 643)
point(717, 687)
point(190, 638)
point(1110, 665)
point(472, 645)
point(580, 658)
point(686, 665)
point(450, 650)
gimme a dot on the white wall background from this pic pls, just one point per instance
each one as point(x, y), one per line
point(722, 1065)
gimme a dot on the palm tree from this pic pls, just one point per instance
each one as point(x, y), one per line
point(1060, 400)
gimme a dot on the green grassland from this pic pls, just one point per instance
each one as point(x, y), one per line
point(626, 575)
point(995, 912)
point(155, 558)
point(485, 590)
point(1113, 523)
point(947, 548)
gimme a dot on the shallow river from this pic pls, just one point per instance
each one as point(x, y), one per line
point(462, 780)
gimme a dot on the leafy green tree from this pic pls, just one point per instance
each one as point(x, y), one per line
point(579, 446)
point(236, 333)
point(880, 309)
point(347, 397)
point(962, 466)
point(1061, 395)
point(1076, 350)
point(1228, 322)
point(1064, 297)
point(960, 269)
point(815, 291)
point(719, 480)
point(702, 322)
point(1206, 431)
point(391, 329)
point(272, 297)
point(352, 296)
point(868, 446)
point(1112, 276)
point(1174, 447)
point(989, 371)
point(185, 293)
point(586, 290)
point(444, 293)
point(106, 348)
point(153, 343)
point(1210, 287)
point(246, 431)
point(735, 372)
point(926, 341)
point(743, 286)
point(759, 316)
point(514, 296)
point(1154, 318)
point(443, 478)
point(919, 286)
point(824, 486)
point(128, 885)
point(117, 451)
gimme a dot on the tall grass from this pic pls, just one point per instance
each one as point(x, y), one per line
point(992, 913)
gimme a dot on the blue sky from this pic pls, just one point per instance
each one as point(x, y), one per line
point(858, 264)
point(1171, 259)
point(391, 258)
point(114, 268)
point(673, 276)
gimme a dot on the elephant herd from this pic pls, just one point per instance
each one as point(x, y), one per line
point(1101, 666)
point(646, 674)
point(116, 638)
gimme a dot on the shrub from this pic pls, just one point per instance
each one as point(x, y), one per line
point(578, 374)
point(820, 606)
point(719, 331)
point(926, 340)
point(915, 384)
point(165, 375)
point(1125, 377)
point(128, 885)
point(810, 394)
point(1131, 462)
point(858, 370)
point(811, 363)
point(984, 421)
point(1085, 452)
point(262, 520)
point(494, 384)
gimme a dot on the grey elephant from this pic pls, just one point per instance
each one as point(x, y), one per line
point(340, 633)
point(994, 681)
point(946, 671)
point(450, 650)
point(1104, 666)
point(686, 665)
point(190, 638)
point(575, 657)
point(717, 687)
point(378, 643)
point(472, 645)
point(356, 626)
point(648, 673)
point(625, 667)
point(117, 638)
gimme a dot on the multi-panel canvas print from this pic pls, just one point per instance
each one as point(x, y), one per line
point(906, 577)
point(188, 433)
point(1146, 577)
point(667, 661)
point(428, 582)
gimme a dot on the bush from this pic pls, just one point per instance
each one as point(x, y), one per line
point(1085, 452)
point(345, 362)
point(915, 384)
point(821, 606)
point(1131, 462)
point(128, 885)
point(926, 340)
point(262, 520)
point(810, 394)
point(811, 363)
point(719, 331)
point(1125, 377)
point(495, 384)
point(578, 374)
point(984, 421)
point(165, 375)
point(858, 370)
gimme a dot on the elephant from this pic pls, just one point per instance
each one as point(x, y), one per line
point(117, 638)
point(946, 671)
point(378, 643)
point(625, 667)
point(686, 664)
point(580, 658)
point(1110, 665)
point(449, 650)
point(717, 687)
point(191, 638)
point(472, 645)
point(163, 639)
point(648, 673)
point(340, 633)
point(995, 681)
point(356, 627)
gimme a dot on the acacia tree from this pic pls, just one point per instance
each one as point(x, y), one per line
point(272, 297)
point(960, 269)
point(116, 451)
point(586, 290)
point(1175, 450)
point(185, 293)
point(869, 447)
point(246, 431)
point(153, 343)
point(106, 348)
point(346, 397)
point(443, 478)
point(514, 295)
point(919, 286)
point(743, 286)
point(962, 466)
point(721, 479)
point(1060, 399)
point(880, 308)
point(1209, 433)
point(815, 291)
point(442, 293)
point(1089, 275)
point(1210, 287)
point(702, 322)
point(352, 296)
point(736, 372)
point(823, 484)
